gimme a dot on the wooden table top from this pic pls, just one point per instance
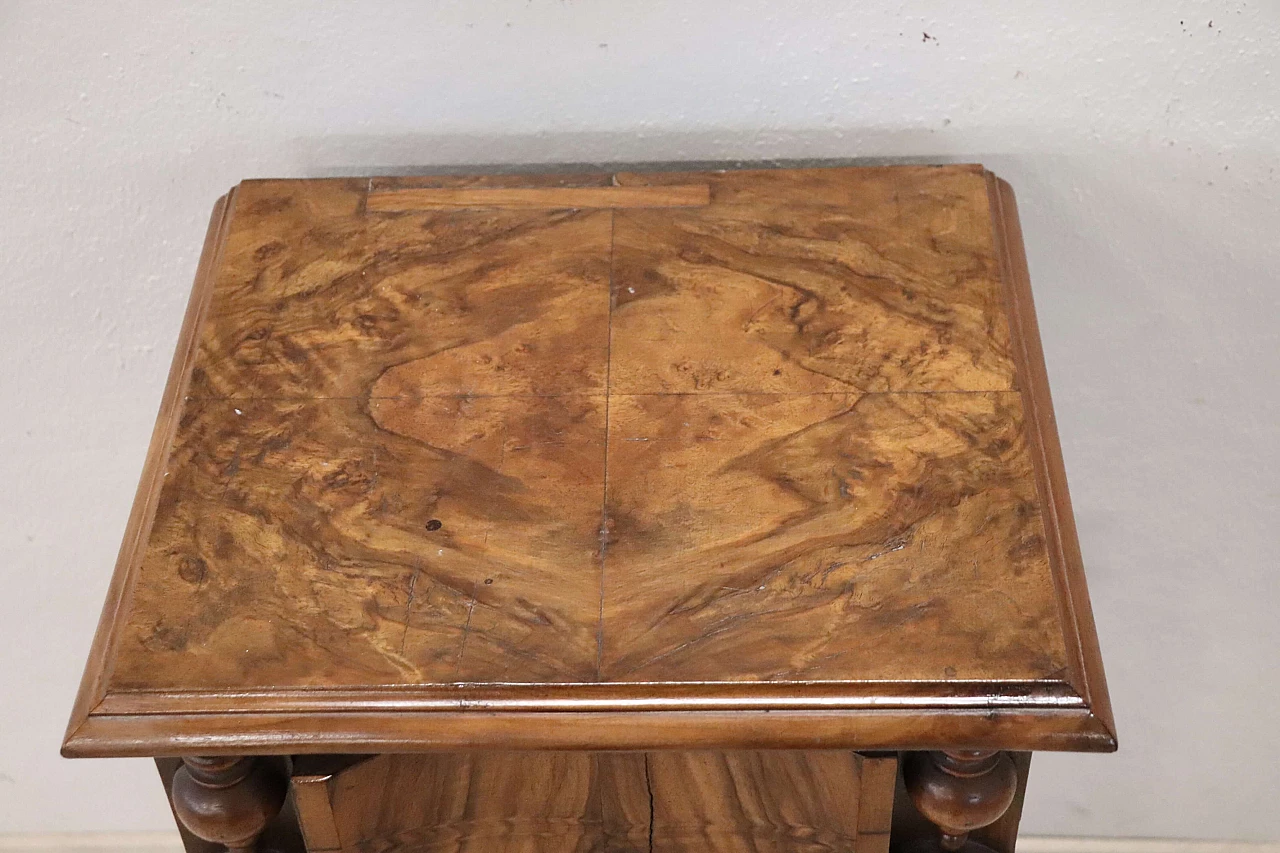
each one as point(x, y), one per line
point(718, 459)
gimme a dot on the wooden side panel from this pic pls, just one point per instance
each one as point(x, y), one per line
point(312, 798)
point(875, 803)
point(672, 802)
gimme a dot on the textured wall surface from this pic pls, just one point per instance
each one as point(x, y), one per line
point(1142, 138)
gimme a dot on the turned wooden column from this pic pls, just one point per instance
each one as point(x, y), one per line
point(228, 801)
point(960, 790)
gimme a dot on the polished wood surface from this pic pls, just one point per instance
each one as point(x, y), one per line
point(670, 802)
point(771, 464)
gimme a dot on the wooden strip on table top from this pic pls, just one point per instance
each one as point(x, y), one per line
point(430, 198)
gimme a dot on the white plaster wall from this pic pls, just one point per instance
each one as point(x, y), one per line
point(1142, 141)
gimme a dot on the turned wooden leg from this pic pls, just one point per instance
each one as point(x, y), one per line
point(960, 790)
point(228, 801)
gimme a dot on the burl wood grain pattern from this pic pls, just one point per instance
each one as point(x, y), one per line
point(804, 298)
point(667, 802)
point(855, 529)
point(606, 443)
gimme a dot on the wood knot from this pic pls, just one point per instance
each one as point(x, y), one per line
point(192, 569)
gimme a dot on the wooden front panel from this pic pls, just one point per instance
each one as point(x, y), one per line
point(768, 802)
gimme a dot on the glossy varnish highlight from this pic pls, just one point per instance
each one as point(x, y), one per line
point(780, 443)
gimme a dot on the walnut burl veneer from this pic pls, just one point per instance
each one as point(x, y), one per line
point(728, 461)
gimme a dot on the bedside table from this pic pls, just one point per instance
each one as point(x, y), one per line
point(609, 512)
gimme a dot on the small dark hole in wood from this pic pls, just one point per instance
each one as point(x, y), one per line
point(434, 524)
